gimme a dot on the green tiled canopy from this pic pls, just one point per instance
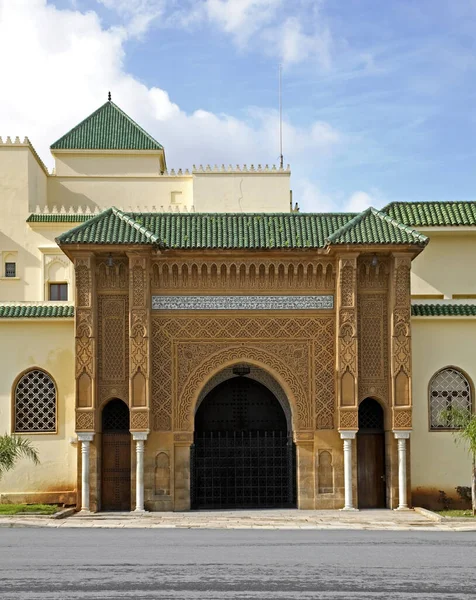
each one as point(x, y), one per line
point(433, 214)
point(444, 310)
point(35, 311)
point(240, 231)
point(108, 128)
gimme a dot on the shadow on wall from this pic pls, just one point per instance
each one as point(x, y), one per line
point(458, 498)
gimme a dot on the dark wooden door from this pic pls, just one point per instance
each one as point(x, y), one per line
point(116, 470)
point(371, 470)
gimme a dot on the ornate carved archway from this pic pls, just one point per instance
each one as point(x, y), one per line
point(300, 404)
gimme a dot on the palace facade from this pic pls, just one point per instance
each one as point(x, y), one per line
point(175, 340)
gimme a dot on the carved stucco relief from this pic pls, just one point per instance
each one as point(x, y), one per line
point(307, 342)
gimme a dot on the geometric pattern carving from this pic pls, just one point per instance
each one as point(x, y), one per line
point(113, 323)
point(170, 335)
point(401, 340)
point(449, 389)
point(268, 357)
point(373, 328)
point(35, 403)
point(348, 419)
point(324, 374)
point(85, 420)
point(140, 419)
point(402, 419)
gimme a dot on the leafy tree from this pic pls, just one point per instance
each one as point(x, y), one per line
point(12, 448)
point(465, 433)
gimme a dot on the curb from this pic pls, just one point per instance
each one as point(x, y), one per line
point(429, 514)
point(62, 514)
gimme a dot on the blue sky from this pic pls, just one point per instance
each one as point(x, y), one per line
point(378, 96)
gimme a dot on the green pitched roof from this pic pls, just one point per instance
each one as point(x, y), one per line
point(32, 311)
point(433, 214)
point(443, 310)
point(375, 227)
point(240, 231)
point(108, 128)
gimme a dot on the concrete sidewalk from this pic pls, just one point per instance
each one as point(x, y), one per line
point(252, 519)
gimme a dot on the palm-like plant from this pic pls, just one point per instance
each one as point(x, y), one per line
point(465, 431)
point(13, 448)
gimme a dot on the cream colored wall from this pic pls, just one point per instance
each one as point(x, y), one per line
point(437, 463)
point(147, 193)
point(48, 344)
point(442, 268)
point(114, 165)
point(241, 192)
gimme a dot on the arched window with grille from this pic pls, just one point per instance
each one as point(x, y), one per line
point(35, 403)
point(449, 388)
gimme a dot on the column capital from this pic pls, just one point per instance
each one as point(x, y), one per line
point(85, 437)
point(348, 434)
point(140, 436)
point(402, 435)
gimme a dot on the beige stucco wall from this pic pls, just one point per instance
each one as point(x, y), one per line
point(241, 192)
point(49, 345)
point(437, 463)
point(96, 164)
point(442, 268)
point(146, 192)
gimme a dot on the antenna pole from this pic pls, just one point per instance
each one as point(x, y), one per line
point(281, 158)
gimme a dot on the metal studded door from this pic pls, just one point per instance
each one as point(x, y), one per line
point(116, 457)
point(242, 456)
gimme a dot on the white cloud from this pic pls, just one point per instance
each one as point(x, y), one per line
point(290, 32)
point(67, 62)
point(312, 199)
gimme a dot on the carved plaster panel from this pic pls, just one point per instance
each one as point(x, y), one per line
point(314, 337)
point(243, 275)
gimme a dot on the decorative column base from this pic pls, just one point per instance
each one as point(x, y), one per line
point(348, 436)
point(140, 437)
point(402, 437)
point(85, 439)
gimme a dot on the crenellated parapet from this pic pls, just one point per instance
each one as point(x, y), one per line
point(7, 143)
point(240, 169)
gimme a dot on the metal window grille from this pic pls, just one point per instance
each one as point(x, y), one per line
point(35, 403)
point(371, 415)
point(58, 291)
point(115, 416)
point(10, 269)
point(448, 389)
point(243, 469)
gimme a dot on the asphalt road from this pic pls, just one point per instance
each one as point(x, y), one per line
point(69, 564)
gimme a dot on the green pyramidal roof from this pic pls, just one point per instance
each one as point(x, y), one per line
point(108, 128)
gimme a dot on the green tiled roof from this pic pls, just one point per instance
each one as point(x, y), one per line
point(433, 214)
point(108, 128)
point(241, 231)
point(443, 310)
point(375, 227)
point(58, 218)
point(32, 311)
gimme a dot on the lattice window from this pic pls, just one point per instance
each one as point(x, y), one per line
point(370, 415)
point(115, 416)
point(449, 389)
point(35, 403)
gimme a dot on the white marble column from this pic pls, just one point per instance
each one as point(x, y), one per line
point(85, 439)
point(348, 436)
point(140, 437)
point(402, 437)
